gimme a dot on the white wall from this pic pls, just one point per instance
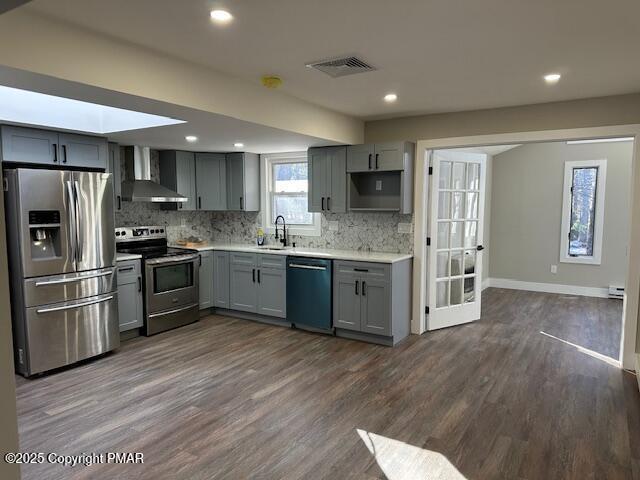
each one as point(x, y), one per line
point(526, 213)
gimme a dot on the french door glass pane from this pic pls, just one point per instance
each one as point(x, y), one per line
point(457, 233)
point(443, 235)
point(471, 234)
point(457, 205)
point(469, 262)
point(456, 262)
point(469, 289)
point(456, 291)
point(583, 211)
point(444, 205)
point(443, 264)
point(472, 205)
point(442, 294)
point(444, 182)
point(473, 176)
point(458, 177)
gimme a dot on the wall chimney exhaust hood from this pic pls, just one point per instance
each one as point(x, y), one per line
point(141, 189)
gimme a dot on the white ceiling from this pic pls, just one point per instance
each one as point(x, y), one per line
point(438, 55)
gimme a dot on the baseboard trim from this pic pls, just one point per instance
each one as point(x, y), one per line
point(545, 287)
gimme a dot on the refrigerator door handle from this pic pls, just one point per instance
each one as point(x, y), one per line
point(76, 305)
point(79, 220)
point(73, 225)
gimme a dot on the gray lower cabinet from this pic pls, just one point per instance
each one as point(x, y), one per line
point(243, 181)
point(372, 301)
point(221, 279)
point(211, 185)
point(113, 167)
point(327, 179)
point(130, 312)
point(206, 279)
point(258, 283)
point(31, 145)
point(178, 172)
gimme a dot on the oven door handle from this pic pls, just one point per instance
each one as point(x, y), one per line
point(168, 312)
point(175, 259)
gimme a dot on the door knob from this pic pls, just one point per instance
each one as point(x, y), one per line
point(479, 248)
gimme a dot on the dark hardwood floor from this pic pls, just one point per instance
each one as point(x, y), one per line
point(234, 399)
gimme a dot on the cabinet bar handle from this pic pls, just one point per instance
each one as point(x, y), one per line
point(357, 287)
point(139, 284)
point(64, 153)
point(364, 289)
point(377, 161)
point(119, 202)
point(258, 276)
point(200, 203)
point(360, 269)
point(125, 269)
point(323, 204)
point(369, 161)
point(253, 274)
point(241, 204)
point(55, 153)
point(328, 207)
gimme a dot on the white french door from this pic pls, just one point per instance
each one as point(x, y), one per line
point(455, 231)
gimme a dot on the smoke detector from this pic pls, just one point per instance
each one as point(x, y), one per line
point(341, 67)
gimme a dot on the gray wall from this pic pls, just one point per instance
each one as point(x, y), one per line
point(526, 214)
point(8, 415)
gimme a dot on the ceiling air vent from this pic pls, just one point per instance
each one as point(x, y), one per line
point(340, 67)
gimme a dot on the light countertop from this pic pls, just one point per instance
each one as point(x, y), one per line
point(329, 253)
point(121, 257)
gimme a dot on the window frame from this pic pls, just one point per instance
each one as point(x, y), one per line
point(266, 182)
point(601, 183)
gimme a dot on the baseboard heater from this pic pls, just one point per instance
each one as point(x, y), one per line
point(616, 292)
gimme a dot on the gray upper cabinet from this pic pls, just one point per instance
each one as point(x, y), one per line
point(130, 311)
point(243, 182)
point(83, 151)
point(389, 156)
point(360, 157)
point(221, 279)
point(206, 279)
point(373, 299)
point(113, 167)
point(327, 179)
point(30, 145)
point(211, 185)
point(178, 172)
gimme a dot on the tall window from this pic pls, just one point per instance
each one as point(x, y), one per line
point(583, 211)
point(286, 186)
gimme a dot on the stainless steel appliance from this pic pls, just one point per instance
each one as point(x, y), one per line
point(170, 279)
point(61, 260)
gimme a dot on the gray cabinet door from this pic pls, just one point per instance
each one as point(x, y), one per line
point(360, 157)
point(272, 292)
point(235, 181)
point(114, 168)
point(206, 280)
point(28, 145)
point(221, 279)
point(185, 172)
point(130, 314)
point(243, 289)
point(318, 167)
point(83, 151)
point(211, 181)
point(336, 201)
point(389, 156)
point(375, 307)
point(346, 302)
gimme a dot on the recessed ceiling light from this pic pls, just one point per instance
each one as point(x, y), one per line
point(191, 138)
point(552, 78)
point(221, 16)
point(390, 97)
point(238, 144)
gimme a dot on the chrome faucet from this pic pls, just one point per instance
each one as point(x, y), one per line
point(283, 240)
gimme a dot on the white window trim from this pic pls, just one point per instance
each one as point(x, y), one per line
point(266, 160)
point(595, 259)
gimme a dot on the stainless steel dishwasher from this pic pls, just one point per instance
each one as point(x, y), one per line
point(309, 298)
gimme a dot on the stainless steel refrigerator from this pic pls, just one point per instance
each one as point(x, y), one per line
point(60, 232)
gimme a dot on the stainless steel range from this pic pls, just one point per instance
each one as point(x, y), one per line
point(170, 279)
